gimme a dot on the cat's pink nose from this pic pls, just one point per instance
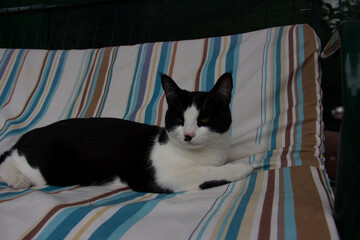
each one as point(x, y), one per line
point(189, 136)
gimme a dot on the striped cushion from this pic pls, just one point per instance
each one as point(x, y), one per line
point(276, 99)
point(287, 203)
point(276, 103)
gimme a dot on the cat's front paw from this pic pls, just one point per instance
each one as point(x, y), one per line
point(18, 181)
point(239, 170)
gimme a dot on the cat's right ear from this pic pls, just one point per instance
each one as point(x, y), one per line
point(170, 88)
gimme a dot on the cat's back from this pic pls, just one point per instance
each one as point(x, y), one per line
point(89, 137)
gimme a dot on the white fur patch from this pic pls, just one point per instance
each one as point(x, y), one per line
point(117, 183)
point(18, 174)
point(183, 169)
point(190, 121)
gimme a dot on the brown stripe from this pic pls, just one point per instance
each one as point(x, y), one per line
point(160, 110)
point(197, 80)
point(265, 221)
point(290, 100)
point(310, 99)
point(307, 205)
point(172, 63)
point(281, 205)
point(101, 79)
point(53, 211)
point(32, 92)
point(89, 82)
point(107, 85)
point(171, 69)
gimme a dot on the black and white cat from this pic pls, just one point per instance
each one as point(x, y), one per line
point(188, 154)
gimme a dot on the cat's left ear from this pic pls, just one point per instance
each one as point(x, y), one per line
point(222, 89)
point(170, 88)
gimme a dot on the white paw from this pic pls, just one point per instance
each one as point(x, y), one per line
point(239, 170)
point(18, 181)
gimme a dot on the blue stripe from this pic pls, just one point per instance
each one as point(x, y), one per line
point(142, 79)
point(139, 210)
point(289, 212)
point(300, 108)
point(137, 65)
point(10, 195)
point(264, 94)
point(139, 74)
point(64, 221)
point(4, 62)
point(232, 209)
point(201, 233)
point(207, 78)
point(232, 60)
point(88, 59)
point(163, 66)
point(94, 82)
point(5, 94)
point(126, 217)
point(79, 81)
point(240, 211)
point(39, 92)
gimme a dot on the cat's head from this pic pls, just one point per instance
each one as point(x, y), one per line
point(195, 118)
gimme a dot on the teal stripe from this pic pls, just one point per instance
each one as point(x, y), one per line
point(163, 67)
point(300, 108)
point(68, 218)
point(89, 59)
point(208, 72)
point(139, 210)
point(5, 94)
point(5, 58)
point(201, 233)
point(136, 72)
point(68, 109)
point(264, 95)
point(264, 92)
point(232, 209)
point(232, 60)
point(10, 195)
point(126, 217)
point(37, 96)
point(241, 209)
point(289, 209)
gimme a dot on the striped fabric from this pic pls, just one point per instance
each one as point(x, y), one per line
point(286, 203)
point(276, 103)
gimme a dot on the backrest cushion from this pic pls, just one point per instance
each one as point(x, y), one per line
point(276, 97)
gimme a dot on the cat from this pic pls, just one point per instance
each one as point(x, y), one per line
point(189, 153)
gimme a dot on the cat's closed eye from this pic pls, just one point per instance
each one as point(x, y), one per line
point(204, 120)
point(180, 120)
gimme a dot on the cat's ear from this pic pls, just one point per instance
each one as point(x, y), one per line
point(170, 88)
point(222, 89)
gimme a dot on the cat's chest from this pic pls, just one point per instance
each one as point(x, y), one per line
point(173, 156)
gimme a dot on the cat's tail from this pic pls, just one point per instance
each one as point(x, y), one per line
point(246, 150)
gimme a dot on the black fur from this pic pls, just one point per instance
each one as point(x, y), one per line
point(90, 152)
point(212, 184)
